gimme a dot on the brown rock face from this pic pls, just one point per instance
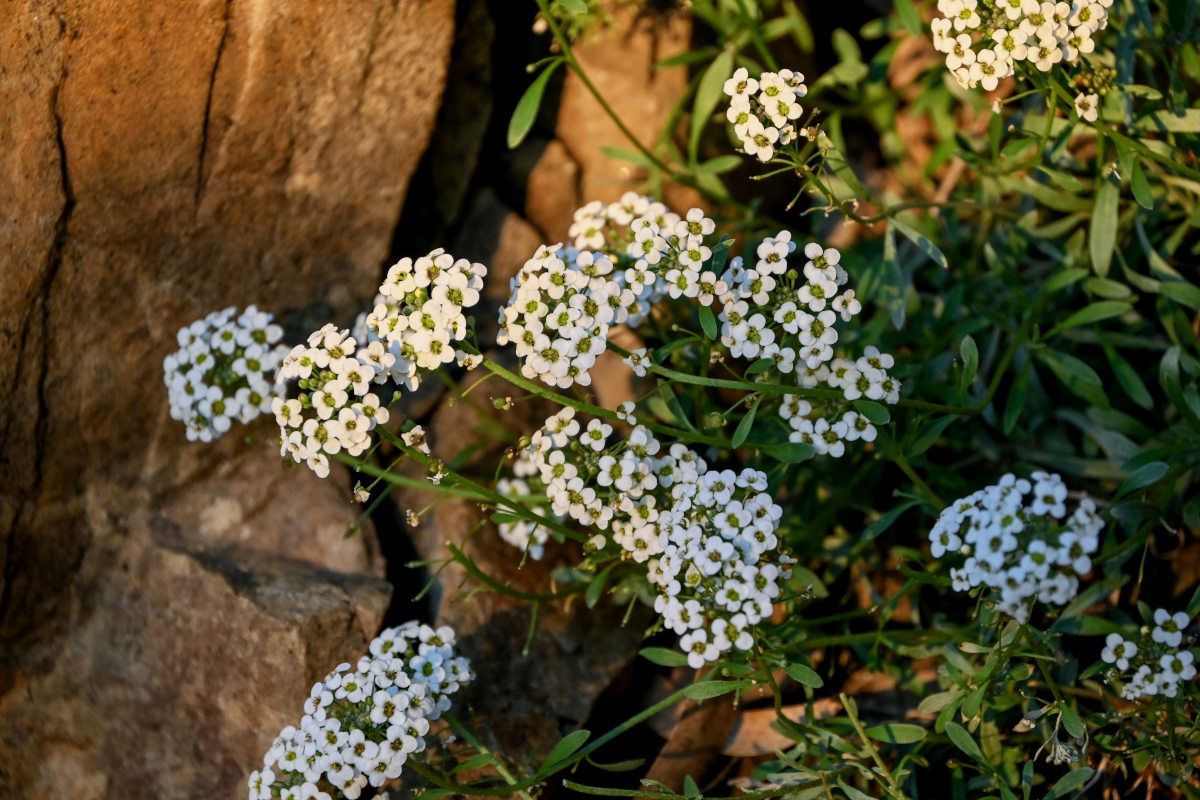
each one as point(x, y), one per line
point(163, 161)
point(202, 655)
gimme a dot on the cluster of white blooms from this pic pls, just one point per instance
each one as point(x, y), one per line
point(719, 570)
point(223, 371)
point(418, 315)
point(771, 312)
point(1155, 664)
point(361, 724)
point(335, 410)
point(763, 109)
point(707, 537)
point(1020, 541)
point(562, 304)
point(1041, 32)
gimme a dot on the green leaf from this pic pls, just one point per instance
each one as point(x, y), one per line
point(931, 434)
point(1183, 293)
point(805, 676)
point(965, 742)
point(923, 244)
point(690, 788)
point(1063, 179)
point(1102, 235)
point(1068, 366)
point(664, 657)
point(624, 154)
point(618, 766)
point(1064, 279)
point(527, 107)
point(475, 762)
point(1193, 606)
point(1070, 782)
point(1140, 186)
point(718, 165)
point(574, 6)
point(1088, 314)
point(1166, 121)
point(938, 701)
point(596, 588)
point(883, 523)
point(1143, 476)
point(789, 452)
point(910, 17)
point(1113, 290)
point(743, 429)
point(564, 749)
point(708, 322)
point(707, 689)
point(1130, 381)
point(708, 94)
point(876, 413)
point(762, 365)
point(1072, 722)
point(970, 358)
point(851, 792)
point(1017, 394)
point(897, 733)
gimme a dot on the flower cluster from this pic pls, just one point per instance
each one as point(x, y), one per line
point(418, 314)
point(1154, 664)
point(335, 410)
point(770, 311)
point(223, 371)
point(361, 724)
point(707, 537)
point(1020, 541)
point(562, 304)
point(1041, 32)
point(763, 109)
point(417, 317)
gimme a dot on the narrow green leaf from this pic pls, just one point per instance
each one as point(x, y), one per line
point(1070, 782)
point(565, 749)
point(1143, 476)
point(805, 676)
point(1065, 365)
point(708, 94)
point(690, 787)
point(743, 428)
point(1165, 121)
point(1072, 722)
point(1140, 186)
point(1027, 779)
point(910, 17)
point(618, 766)
point(1063, 279)
point(970, 357)
point(1183, 293)
point(923, 244)
point(718, 165)
point(664, 657)
point(707, 689)
point(1110, 289)
point(475, 762)
point(708, 322)
point(897, 733)
point(1095, 312)
point(1193, 606)
point(1130, 381)
point(574, 6)
point(1102, 235)
point(624, 154)
point(851, 792)
point(883, 523)
point(761, 365)
point(1017, 394)
point(527, 107)
point(939, 700)
point(965, 742)
point(876, 413)
point(1063, 179)
point(595, 588)
point(789, 452)
point(931, 434)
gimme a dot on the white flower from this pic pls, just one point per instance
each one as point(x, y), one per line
point(1087, 106)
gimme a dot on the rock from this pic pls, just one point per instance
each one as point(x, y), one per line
point(620, 60)
point(203, 653)
point(163, 163)
point(552, 191)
